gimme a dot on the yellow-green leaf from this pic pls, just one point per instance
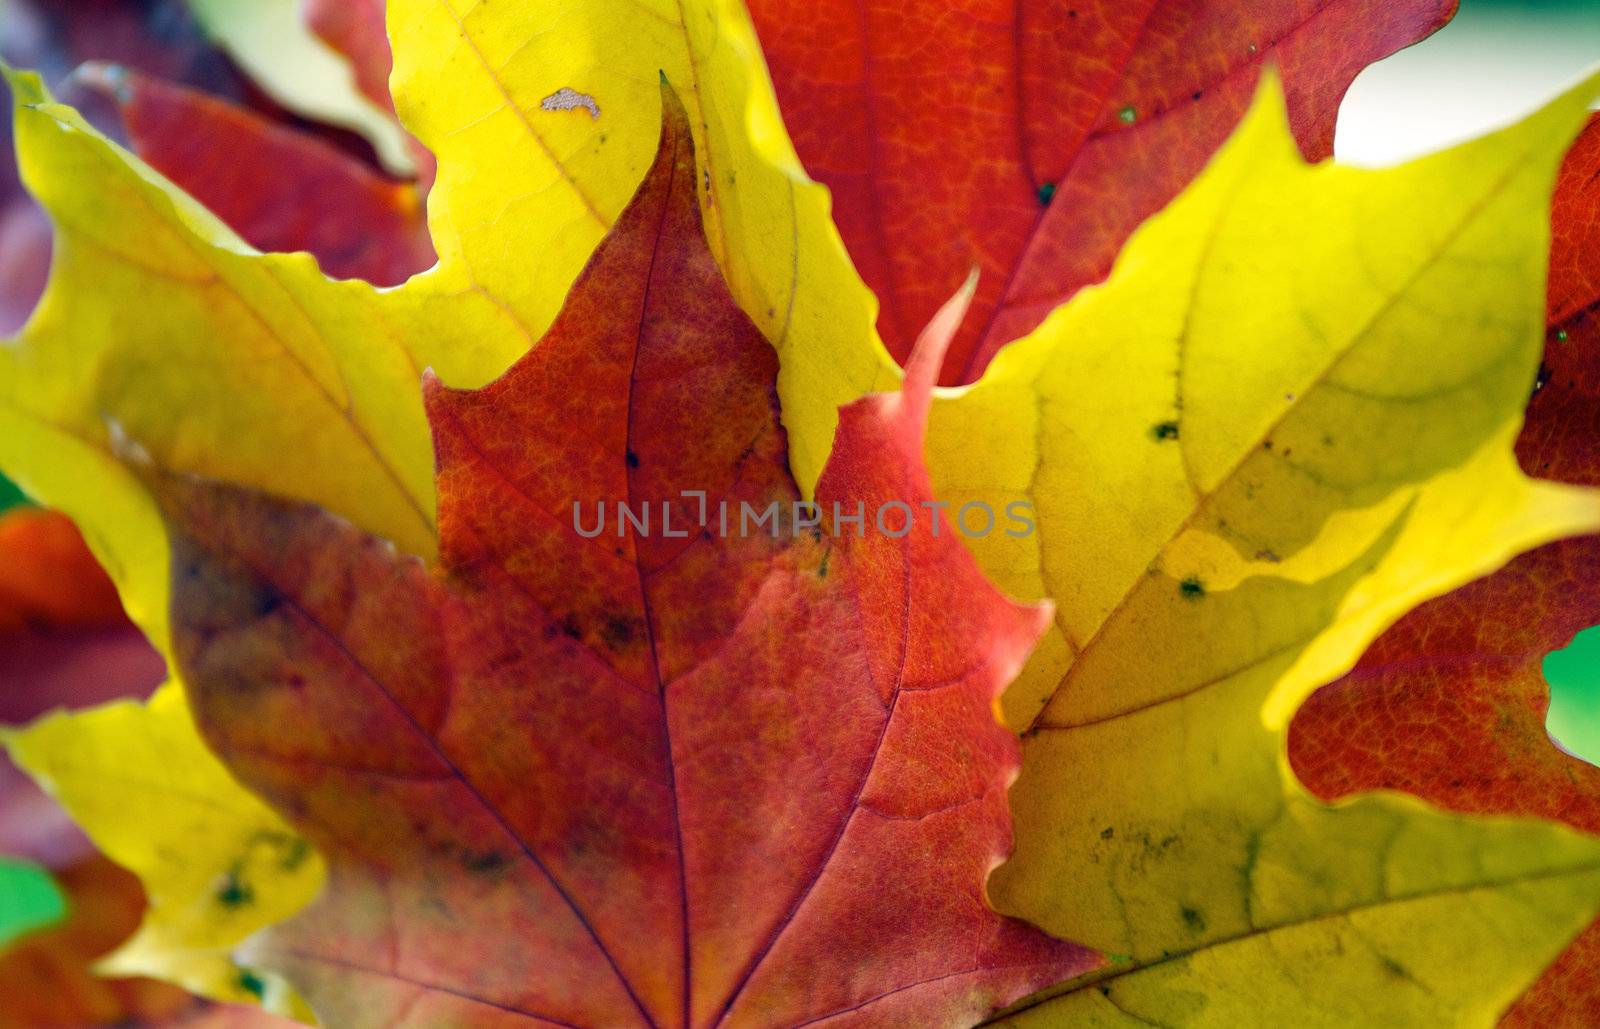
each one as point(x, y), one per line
point(1286, 419)
point(217, 863)
point(162, 330)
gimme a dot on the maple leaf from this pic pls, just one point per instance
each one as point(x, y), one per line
point(280, 188)
point(1031, 139)
point(1450, 703)
point(142, 782)
point(1234, 391)
point(335, 380)
point(678, 782)
point(49, 977)
point(227, 380)
point(277, 47)
point(359, 224)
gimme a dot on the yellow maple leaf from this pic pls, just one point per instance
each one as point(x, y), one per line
point(139, 779)
point(1286, 419)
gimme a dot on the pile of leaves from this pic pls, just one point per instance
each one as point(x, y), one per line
point(434, 753)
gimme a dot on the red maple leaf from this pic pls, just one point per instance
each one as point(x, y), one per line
point(1030, 139)
point(752, 777)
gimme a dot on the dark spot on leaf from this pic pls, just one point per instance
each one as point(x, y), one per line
point(1107, 833)
point(1192, 588)
point(570, 626)
point(1197, 94)
point(619, 631)
point(1393, 967)
point(252, 984)
point(1193, 919)
point(485, 862)
point(1047, 193)
point(1164, 431)
point(268, 600)
point(295, 854)
point(633, 459)
point(234, 893)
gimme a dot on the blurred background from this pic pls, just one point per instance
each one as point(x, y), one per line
point(1496, 61)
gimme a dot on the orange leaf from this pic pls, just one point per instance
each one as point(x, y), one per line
point(46, 978)
point(681, 776)
point(48, 576)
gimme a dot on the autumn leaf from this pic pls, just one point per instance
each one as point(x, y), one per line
point(50, 981)
point(140, 781)
point(1450, 703)
point(673, 782)
point(252, 358)
point(64, 640)
point(355, 28)
point(1031, 139)
point(359, 224)
point(1234, 394)
point(280, 188)
point(498, 93)
point(47, 575)
point(273, 43)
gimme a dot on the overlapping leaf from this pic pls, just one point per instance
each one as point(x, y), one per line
point(661, 777)
point(278, 48)
point(1030, 139)
point(340, 204)
point(554, 177)
point(1234, 395)
point(1450, 703)
point(254, 358)
point(277, 186)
